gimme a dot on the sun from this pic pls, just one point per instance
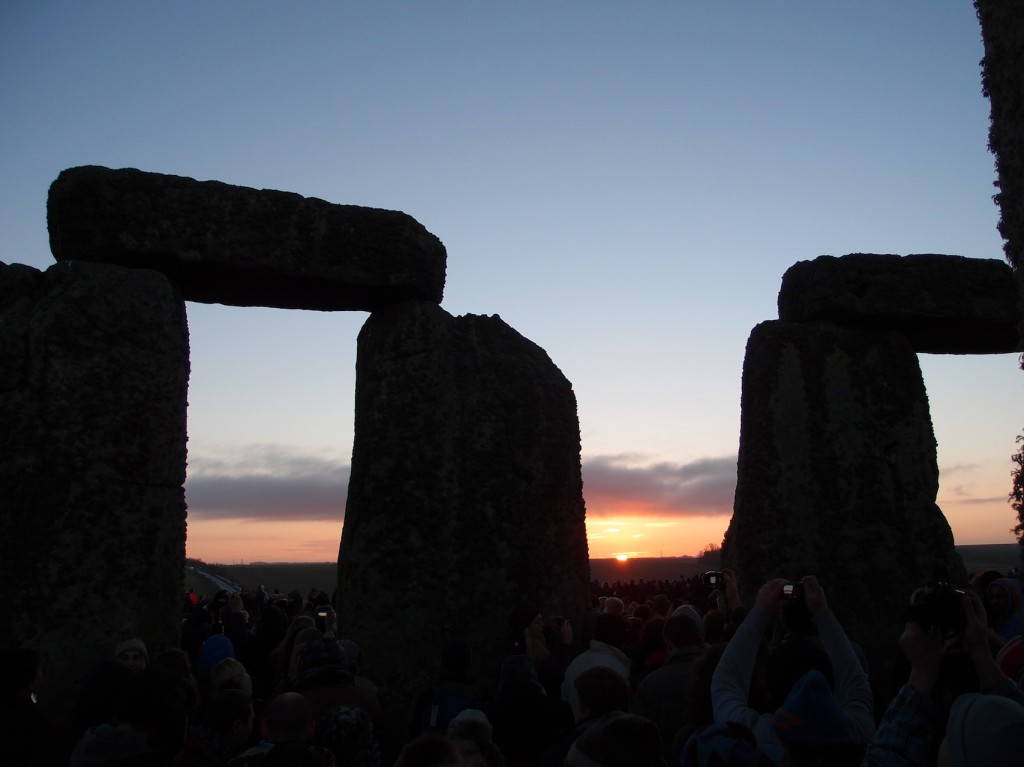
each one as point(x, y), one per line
point(622, 557)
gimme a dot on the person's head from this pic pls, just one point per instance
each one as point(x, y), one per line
point(322, 652)
point(1002, 598)
point(429, 750)
point(726, 744)
point(271, 625)
point(301, 642)
point(347, 732)
point(155, 703)
point(610, 629)
point(229, 674)
point(790, 661)
point(601, 690)
point(684, 629)
point(614, 606)
point(617, 739)
point(214, 649)
point(132, 654)
point(470, 732)
point(230, 714)
point(983, 730)
point(796, 617)
point(287, 718)
point(813, 728)
point(353, 655)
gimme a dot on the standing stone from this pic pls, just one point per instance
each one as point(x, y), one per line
point(92, 406)
point(837, 474)
point(465, 497)
point(1002, 81)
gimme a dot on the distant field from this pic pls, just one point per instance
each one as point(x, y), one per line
point(284, 577)
point(990, 556)
point(304, 577)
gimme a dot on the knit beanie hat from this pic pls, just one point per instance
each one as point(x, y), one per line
point(985, 729)
point(353, 655)
point(347, 732)
point(322, 651)
point(1011, 659)
point(691, 612)
point(216, 648)
point(811, 715)
point(132, 644)
point(617, 739)
point(470, 724)
point(727, 744)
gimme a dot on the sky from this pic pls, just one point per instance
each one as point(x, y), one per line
point(623, 183)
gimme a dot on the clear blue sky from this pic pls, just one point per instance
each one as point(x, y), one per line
point(624, 183)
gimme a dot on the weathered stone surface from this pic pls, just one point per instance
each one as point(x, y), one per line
point(465, 497)
point(244, 247)
point(837, 474)
point(1002, 82)
point(92, 405)
point(1002, 75)
point(943, 304)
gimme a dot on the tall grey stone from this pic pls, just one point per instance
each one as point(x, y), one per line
point(93, 393)
point(244, 247)
point(942, 304)
point(837, 474)
point(465, 497)
point(1002, 82)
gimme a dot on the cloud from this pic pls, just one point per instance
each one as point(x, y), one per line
point(958, 468)
point(267, 482)
point(631, 485)
point(276, 482)
point(963, 497)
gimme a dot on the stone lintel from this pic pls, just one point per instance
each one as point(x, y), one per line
point(244, 247)
point(943, 304)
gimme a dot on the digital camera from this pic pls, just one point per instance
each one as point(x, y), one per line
point(713, 579)
point(937, 605)
point(793, 590)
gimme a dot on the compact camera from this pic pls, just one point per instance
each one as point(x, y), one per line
point(713, 579)
point(793, 590)
point(938, 605)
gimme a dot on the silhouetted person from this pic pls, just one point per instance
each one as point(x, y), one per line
point(600, 691)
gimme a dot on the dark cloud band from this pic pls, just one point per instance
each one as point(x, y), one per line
point(270, 482)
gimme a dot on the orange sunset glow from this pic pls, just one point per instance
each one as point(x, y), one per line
point(230, 541)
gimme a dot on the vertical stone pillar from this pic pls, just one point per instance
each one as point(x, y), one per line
point(465, 497)
point(837, 473)
point(93, 393)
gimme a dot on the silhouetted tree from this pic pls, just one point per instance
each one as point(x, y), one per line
point(1017, 493)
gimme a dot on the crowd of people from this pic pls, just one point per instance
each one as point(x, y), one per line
point(673, 673)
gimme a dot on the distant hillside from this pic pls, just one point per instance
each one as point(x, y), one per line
point(990, 556)
point(304, 577)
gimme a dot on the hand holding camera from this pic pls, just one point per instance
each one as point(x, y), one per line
point(814, 594)
point(769, 595)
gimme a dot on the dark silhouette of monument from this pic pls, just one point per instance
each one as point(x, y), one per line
point(837, 471)
point(466, 491)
